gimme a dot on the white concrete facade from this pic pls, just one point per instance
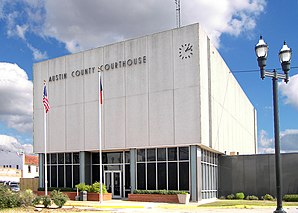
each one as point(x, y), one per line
point(164, 98)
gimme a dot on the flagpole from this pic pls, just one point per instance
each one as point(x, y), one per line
point(99, 126)
point(45, 150)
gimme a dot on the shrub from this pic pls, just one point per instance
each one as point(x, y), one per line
point(59, 198)
point(252, 197)
point(82, 187)
point(46, 200)
point(9, 199)
point(36, 200)
point(231, 197)
point(27, 197)
point(291, 198)
point(162, 192)
point(62, 189)
point(43, 199)
point(239, 196)
point(95, 187)
point(268, 197)
point(222, 197)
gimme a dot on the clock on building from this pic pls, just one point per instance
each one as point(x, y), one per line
point(185, 51)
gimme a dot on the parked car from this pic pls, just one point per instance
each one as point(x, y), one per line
point(14, 187)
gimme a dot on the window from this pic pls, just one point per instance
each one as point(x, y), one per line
point(17, 166)
point(209, 174)
point(63, 169)
point(163, 168)
point(29, 169)
point(36, 170)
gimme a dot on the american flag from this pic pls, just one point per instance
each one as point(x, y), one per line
point(100, 90)
point(45, 98)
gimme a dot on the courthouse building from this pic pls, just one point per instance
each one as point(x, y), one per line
point(170, 107)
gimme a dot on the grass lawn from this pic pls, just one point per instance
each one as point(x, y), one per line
point(245, 203)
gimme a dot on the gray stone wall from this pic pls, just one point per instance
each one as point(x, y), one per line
point(255, 174)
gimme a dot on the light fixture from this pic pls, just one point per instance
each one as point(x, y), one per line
point(285, 55)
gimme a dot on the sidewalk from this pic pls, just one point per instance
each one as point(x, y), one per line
point(128, 206)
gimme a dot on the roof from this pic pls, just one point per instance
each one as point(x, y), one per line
point(31, 160)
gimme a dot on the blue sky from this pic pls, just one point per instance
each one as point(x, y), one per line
point(36, 30)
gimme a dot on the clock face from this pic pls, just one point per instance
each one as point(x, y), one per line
point(185, 51)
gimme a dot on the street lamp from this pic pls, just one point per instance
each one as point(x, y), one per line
point(285, 53)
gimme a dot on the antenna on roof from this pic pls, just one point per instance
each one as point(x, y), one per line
point(178, 23)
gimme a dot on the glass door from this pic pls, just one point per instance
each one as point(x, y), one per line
point(112, 180)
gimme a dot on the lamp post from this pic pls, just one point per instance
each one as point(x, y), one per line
point(285, 53)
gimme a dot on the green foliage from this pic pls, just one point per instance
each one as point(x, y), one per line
point(162, 192)
point(36, 200)
point(46, 200)
point(9, 199)
point(59, 198)
point(27, 197)
point(251, 197)
point(291, 198)
point(222, 198)
point(95, 187)
point(239, 196)
point(268, 197)
point(231, 197)
point(62, 189)
point(83, 187)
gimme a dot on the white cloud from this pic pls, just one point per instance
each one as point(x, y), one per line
point(37, 54)
point(82, 25)
point(11, 144)
point(87, 24)
point(288, 141)
point(21, 30)
point(289, 91)
point(16, 104)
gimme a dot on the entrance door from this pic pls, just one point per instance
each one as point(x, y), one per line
point(113, 183)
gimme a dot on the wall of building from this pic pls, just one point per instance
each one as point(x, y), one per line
point(153, 103)
point(30, 173)
point(168, 98)
point(233, 117)
point(255, 174)
point(11, 159)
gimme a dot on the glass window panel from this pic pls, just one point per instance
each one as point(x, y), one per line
point(53, 176)
point(127, 176)
point(127, 157)
point(60, 158)
point(161, 176)
point(48, 175)
point(104, 158)
point(172, 176)
point(151, 156)
point(48, 158)
point(76, 174)
point(95, 173)
point(183, 153)
point(141, 178)
point(161, 154)
point(68, 159)
point(95, 158)
point(172, 154)
point(68, 177)
point(53, 158)
point(151, 176)
point(184, 176)
point(114, 157)
point(60, 176)
point(76, 158)
point(113, 167)
point(141, 155)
